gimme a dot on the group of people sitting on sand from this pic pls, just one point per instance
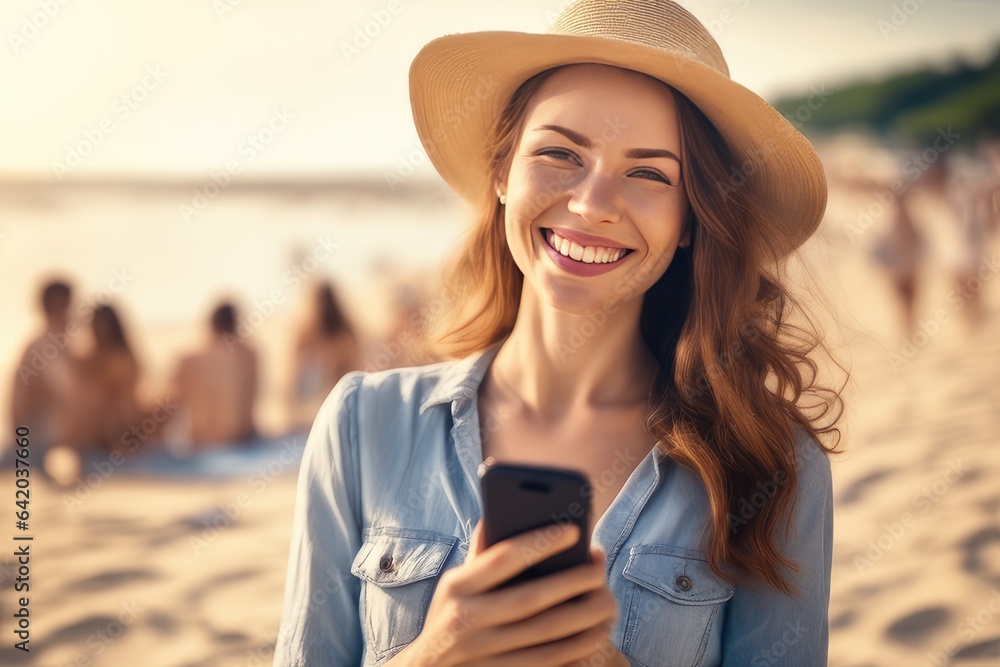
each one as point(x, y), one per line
point(87, 399)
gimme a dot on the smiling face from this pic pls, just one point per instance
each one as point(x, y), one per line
point(597, 173)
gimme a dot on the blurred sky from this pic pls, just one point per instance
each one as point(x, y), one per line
point(227, 65)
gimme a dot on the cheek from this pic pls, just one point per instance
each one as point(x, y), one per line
point(534, 183)
point(517, 230)
point(518, 178)
point(664, 224)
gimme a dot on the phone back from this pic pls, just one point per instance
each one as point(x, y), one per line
point(519, 498)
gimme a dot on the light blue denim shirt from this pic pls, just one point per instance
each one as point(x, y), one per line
point(388, 495)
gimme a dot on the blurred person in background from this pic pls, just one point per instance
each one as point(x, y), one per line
point(108, 382)
point(216, 387)
point(899, 251)
point(406, 344)
point(326, 348)
point(972, 192)
point(403, 342)
point(45, 380)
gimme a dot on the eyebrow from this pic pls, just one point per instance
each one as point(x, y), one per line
point(584, 142)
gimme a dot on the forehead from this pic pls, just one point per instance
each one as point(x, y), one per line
point(592, 98)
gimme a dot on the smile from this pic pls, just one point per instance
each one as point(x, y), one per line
point(583, 254)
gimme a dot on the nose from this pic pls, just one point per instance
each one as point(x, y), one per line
point(595, 198)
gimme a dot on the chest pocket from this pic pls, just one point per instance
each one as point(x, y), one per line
point(674, 603)
point(399, 569)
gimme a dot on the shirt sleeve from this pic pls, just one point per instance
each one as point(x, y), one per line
point(766, 627)
point(320, 624)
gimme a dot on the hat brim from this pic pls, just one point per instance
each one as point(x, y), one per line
point(460, 83)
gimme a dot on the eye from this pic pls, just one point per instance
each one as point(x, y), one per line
point(656, 176)
point(558, 153)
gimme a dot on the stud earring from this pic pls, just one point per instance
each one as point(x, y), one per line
point(503, 197)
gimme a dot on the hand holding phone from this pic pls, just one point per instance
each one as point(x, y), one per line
point(532, 589)
point(472, 619)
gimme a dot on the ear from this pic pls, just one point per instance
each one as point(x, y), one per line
point(499, 188)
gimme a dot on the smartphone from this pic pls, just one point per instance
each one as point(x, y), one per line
point(519, 498)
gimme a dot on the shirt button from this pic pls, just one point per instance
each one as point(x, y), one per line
point(683, 583)
point(385, 564)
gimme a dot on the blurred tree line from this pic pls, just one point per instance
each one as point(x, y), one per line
point(913, 105)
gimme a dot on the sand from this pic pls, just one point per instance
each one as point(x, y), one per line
point(146, 572)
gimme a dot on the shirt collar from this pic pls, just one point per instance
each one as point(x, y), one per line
point(461, 380)
point(462, 377)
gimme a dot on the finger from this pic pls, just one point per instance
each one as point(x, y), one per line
point(597, 554)
point(477, 541)
point(602, 652)
point(596, 641)
point(556, 623)
point(560, 652)
point(507, 558)
point(528, 598)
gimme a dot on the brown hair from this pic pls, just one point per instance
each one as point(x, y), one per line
point(736, 371)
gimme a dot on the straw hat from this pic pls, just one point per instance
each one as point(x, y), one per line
point(460, 83)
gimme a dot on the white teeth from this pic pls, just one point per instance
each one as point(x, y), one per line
point(585, 254)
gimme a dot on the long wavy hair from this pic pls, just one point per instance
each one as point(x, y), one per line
point(736, 372)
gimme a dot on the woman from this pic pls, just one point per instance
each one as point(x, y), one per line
point(109, 376)
point(656, 357)
point(900, 253)
point(325, 350)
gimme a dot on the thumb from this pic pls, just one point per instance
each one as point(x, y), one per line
point(477, 541)
point(597, 554)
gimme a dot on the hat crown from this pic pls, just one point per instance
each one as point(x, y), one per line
point(661, 24)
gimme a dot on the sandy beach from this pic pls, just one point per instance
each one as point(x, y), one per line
point(916, 578)
point(132, 570)
point(147, 572)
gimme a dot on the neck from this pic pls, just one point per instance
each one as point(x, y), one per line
point(555, 363)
